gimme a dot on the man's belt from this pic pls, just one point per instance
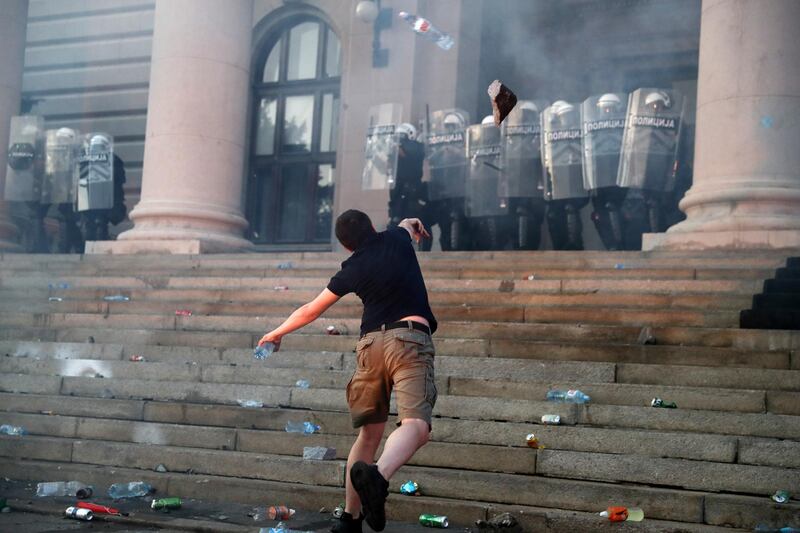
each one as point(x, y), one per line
point(403, 324)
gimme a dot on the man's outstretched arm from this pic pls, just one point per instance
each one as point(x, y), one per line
point(302, 316)
point(415, 228)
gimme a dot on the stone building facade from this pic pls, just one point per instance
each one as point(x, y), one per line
point(241, 122)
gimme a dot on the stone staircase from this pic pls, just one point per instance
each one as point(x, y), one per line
point(512, 326)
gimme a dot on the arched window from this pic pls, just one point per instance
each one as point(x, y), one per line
point(293, 141)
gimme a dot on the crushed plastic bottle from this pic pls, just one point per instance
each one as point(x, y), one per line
point(263, 351)
point(306, 428)
point(658, 402)
point(619, 266)
point(63, 488)
point(55, 299)
point(781, 496)
point(117, 298)
point(410, 488)
point(251, 404)
point(425, 28)
point(133, 489)
point(302, 384)
point(7, 429)
point(285, 266)
point(567, 396)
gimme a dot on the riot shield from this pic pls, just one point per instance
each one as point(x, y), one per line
point(651, 139)
point(483, 171)
point(96, 180)
point(603, 124)
point(446, 146)
point(25, 150)
point(61, 152)
point(561, 152)
point(522, 157)
point(380, 154)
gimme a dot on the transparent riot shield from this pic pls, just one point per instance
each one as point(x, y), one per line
point(483, 171)
point(25, 156)
point(561, 152)
point(521, 154)
point(651, 139)
point(61, 152)
point(96, 180)
point(603, 124)
point(447, 160)
point(381, 150)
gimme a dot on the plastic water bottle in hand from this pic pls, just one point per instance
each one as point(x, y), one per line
point(425, 28)
point(567, 396)
point(263, 351)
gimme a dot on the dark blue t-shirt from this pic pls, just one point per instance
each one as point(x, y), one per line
point(385, 274)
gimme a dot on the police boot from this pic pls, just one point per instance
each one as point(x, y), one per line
point(574, 228)
point(654, 215)
point(615, 222)
point(456, 232)
point(557, 226)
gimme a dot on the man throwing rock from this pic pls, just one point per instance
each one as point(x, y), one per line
point(395, 352)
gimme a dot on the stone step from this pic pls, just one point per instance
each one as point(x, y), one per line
point(496, 349)
point(177, 424)
point(498, 313)
point(692, 376)
point(647, 286)
point(739, 510)
point(245, 298)
point(694, 475)
point(458, 376)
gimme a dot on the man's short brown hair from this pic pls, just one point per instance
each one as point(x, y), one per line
point(353, 227)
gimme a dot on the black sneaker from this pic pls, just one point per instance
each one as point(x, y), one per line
point(347, 524)
point(373, 491)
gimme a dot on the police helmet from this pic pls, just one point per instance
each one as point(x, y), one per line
point(609, 102)
point(65, 134)
point(407, 130)
point(453, 120)
point(527, 105)
point(658, 100)
point(488, 119)
point(100, 140)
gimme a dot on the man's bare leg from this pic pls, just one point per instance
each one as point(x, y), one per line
point(364, 448)
point(401, 445)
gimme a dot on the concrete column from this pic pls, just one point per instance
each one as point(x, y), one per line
point(746, 190)
point(13, 26)
point(196, 126)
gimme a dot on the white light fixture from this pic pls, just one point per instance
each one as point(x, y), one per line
point(367, 11)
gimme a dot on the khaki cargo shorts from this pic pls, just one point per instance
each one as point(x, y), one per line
point(399, 360)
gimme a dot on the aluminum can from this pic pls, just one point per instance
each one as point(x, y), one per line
point(137, 358)
point(432, 520)
point(279, 512)
point(166, 503)
point(410, 488)
point(532, 440)
point(280, 288)
point(78, 513)
point(339, 511)
point(551, 419)
point(183, 312)
point(782, 496)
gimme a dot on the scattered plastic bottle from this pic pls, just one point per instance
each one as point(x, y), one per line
point(306, 428)
point(252, 404)
point(263, 351)
point(280, 288)
point(619, 266)
point(763, 528)
point(285, 266)
point(425, 28)
point(623, 514)
point(117, 298)
point(134, 489)
point(55, 299)
point(658, 402)
point(7, 429)
point(532, 440)
point(137, 358)
point(302, 384)
point(567, 396)
point(551, 419)
point(63, 488)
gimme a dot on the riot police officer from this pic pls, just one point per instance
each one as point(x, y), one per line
point(100, 187)
point(563, 170)
point(446, 148)
point(603, 125)
point(521, 186)
point(649, 153)
point(409, 197)
point(486, 212)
